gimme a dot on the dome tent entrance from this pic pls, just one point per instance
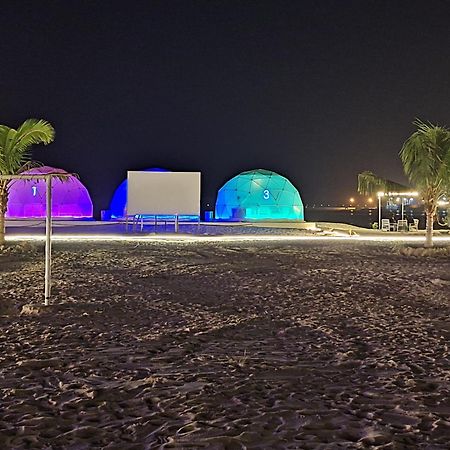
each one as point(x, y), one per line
point(259, 195)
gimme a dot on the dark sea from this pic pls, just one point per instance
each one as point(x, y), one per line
point(363, 217)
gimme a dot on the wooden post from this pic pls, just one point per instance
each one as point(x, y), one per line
point(48, 241)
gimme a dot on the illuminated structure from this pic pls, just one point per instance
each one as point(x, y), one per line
point(70, 199)
point(259, 195)
point(118, 205)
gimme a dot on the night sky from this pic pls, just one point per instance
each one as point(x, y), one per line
point(315, 90)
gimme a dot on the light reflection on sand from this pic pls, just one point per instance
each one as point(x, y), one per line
point(231, 238)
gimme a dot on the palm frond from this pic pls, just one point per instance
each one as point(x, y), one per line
point(446, 175)
point(3, 132)
point(426, 158)
point(369, 183)
point(8, 159)
point(30, 165)
point(32, 131)
point(15, 144)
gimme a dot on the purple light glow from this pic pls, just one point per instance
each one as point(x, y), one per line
point(70, 199)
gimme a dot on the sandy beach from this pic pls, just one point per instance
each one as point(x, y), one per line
point(232, 345)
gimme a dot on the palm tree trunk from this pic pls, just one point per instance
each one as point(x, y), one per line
point(429, 229)
point(3, 207)
point(2, 228)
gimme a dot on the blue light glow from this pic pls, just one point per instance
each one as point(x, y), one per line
point(118, 203)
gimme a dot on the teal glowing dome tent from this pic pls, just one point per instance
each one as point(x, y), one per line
point(259, 195)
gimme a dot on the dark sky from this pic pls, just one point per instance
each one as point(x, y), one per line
point(315, 90)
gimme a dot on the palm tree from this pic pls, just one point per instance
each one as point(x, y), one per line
point(15, 154)
point(426, 161)
point(368, 183)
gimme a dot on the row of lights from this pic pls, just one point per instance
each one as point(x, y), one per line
point(351, 200)
point(388, 194)
point(443, 202)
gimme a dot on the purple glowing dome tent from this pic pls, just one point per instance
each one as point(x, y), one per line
point(70, 199)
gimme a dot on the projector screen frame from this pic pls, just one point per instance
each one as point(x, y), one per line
point(163, 193)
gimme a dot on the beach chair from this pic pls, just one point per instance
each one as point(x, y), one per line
point(402, 225)
point(385, 225)
point(414, 226)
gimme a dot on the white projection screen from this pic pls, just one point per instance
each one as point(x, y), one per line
point(163, 193)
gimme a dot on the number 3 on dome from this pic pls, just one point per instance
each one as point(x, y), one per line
point(266, 194)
